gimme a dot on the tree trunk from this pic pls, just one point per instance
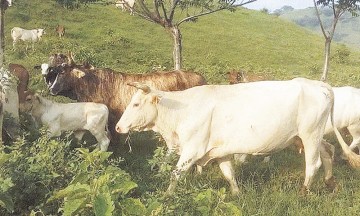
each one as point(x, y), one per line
point(177, 52)
point(327, 59)
point(2, 35)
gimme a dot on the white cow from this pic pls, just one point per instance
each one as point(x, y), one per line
point(346, 116)
point(77, 117)
point(217, 121)
point(32, 35)
point(10, 101)
point(347, 113)
point(126, 5)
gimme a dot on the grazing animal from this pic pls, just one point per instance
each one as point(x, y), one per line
point(109, 87)
point(126, 5)
point(22, 75)
point(77, 117)
point(10, 102)
point(235, 77)
point(213, 122)
point(32, 35)
point(60, 30)
point(347, 113)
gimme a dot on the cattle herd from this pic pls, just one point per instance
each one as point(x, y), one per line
point(199, 122)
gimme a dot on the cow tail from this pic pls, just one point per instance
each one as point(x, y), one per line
point(352, 157)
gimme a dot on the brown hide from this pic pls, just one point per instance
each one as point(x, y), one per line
point(235, 77)
point(60, 30)
point(110, 87)
point(23, 75)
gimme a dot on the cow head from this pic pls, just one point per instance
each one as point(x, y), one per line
point(62, 78)
point(31, 100)
point(141, 113)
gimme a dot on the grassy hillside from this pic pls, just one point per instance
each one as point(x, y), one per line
point(106, 37)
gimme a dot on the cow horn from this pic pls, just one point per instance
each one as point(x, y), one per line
point(71, 58)
point(141, 86)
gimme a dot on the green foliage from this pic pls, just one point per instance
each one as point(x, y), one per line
point(97, 187)
point(6, 184)
point(211, 202)
point(341, 55)
point(48, 177)
point(35, 169)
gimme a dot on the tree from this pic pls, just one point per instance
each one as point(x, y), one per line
point(338, 7)
point(170, 14)
point(4, 4)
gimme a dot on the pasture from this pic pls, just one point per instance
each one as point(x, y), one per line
point(37, 173)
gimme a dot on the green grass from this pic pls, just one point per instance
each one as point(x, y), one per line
point(214, 45)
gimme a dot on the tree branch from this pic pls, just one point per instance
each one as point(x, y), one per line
point(321, 24)
point(213, 11)
point(172, 10)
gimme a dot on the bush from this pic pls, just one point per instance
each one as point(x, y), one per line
point(341, 55)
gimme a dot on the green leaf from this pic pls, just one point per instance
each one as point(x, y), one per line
point(6, 202)
point(123, 187)
point(154, 208)
point(73, 205)
point(75, 190)
point(103, 205)
point(230, 209)
point(132, 206)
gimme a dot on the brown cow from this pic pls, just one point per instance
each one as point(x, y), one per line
point(23, 76)
point(110, 87)
point(235, 77)
point(60, 30)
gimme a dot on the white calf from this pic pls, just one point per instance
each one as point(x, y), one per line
point(78, 117)
point(32, 35)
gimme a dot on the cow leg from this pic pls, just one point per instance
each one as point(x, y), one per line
point(186, 160)
point(240, 158)
point(327, 156)
point(312, 160)
point(228, 172)
point(355, 133)
point(101, 137)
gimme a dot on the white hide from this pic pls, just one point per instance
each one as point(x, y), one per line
point(126, 5)
point(32, 35)
point(10, 96)
point(60, 117)
point(347, 113)
point(214, 122)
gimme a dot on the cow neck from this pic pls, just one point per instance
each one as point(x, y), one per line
point(44, 106)
point(169, 114)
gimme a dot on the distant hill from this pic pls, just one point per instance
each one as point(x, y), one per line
point(347, 30)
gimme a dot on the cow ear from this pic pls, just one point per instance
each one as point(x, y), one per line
point(157, 98)
point(78, 73)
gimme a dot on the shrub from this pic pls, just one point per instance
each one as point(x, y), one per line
point(99, 188)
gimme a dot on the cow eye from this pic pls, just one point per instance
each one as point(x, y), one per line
point(136, 104)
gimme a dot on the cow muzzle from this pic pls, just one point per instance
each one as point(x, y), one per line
point(121, 130)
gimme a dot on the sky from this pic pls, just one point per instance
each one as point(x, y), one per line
point(277, 4)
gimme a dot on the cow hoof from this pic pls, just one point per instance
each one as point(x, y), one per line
point(304, 191)
point(331, 185)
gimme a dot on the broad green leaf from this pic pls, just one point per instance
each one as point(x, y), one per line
point(123, 187)
point(154, 208)
point(132, 206)
point(70, 190)
point(103, 205)
point(73, 205)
